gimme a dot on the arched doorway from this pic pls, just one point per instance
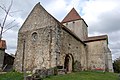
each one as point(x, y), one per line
point(68, 63)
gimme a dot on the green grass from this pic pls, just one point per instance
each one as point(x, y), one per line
point(85, 76)
point(72, 76)
point(11, 76)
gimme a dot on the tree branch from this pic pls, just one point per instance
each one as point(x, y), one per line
point(3, 9)
point(4, 20)
point(10, 23)
point(10, 28)
point(15, 11)
point(7, 12)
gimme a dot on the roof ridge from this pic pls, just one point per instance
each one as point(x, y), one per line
point(72, 16)
point(96, 38)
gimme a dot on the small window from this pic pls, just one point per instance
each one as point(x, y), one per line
point(34, 36)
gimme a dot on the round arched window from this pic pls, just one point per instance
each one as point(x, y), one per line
point(34, 36)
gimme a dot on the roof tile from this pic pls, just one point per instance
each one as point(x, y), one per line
point(71, 16)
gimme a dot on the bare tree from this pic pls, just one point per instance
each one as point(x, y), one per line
point(3, 24)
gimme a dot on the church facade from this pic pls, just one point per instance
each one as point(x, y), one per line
point(44, 42)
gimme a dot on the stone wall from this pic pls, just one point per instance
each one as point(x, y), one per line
point(78, 27)
point(97, 55)
point(37, 53)
point(38, 18)
point(74, 48)
point(36, 41)
point(109, 60)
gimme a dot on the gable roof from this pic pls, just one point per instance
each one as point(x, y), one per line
point(37, 10)
point(71, 16)
point(62, 26)
point(96, 38)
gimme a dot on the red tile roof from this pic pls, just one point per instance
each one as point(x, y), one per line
point(2, 44)
point(96, 38)
point(71, 16)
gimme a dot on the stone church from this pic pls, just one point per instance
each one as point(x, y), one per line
point(44, 42)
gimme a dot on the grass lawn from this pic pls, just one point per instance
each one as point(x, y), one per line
point(11, 76)
point(71, 76)
point(85, 76)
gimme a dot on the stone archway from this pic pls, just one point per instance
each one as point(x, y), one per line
point(68, 63)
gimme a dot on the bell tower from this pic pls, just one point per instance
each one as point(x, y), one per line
point(76, 24)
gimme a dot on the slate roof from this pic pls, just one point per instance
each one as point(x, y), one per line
point(72, 16)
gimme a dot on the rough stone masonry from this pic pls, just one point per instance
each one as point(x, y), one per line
point(44, 42)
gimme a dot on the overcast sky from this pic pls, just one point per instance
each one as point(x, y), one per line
point(102, 17)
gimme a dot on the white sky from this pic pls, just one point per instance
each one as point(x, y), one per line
point(102, 17)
